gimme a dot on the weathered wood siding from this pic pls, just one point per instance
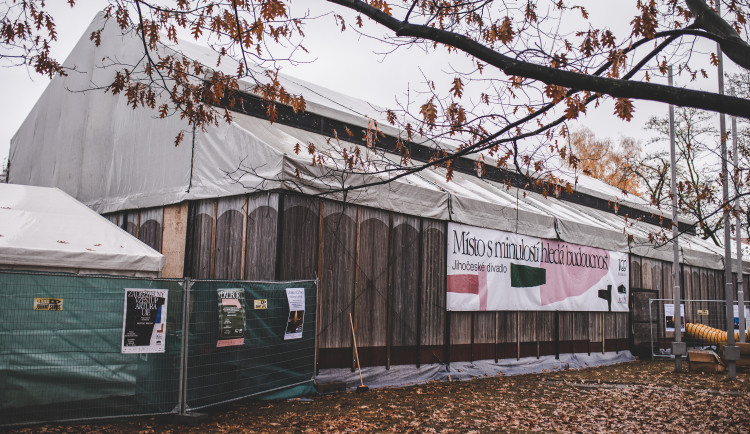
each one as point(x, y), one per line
point(260, 238)
point(388, 271)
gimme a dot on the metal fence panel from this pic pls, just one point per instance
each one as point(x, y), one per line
point(61, 348)
point(67, 364)
point(263, 361)
point(704, 324)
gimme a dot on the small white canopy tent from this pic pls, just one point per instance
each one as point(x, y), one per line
point(45, 229)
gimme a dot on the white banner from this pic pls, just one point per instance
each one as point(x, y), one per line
point(496, 270)
point(296, 320)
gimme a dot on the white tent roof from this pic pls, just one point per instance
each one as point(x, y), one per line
point(44, 228)
point(111, 157)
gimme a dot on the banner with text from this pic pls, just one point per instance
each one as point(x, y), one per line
point(496, 270)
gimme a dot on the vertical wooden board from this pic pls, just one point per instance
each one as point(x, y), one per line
point(372, 279)
point(610, 325)
point(623, 325)
point(260, 240)
point(527, 324)
point(460, 328)
point(299, 238)
point(580, 326)
point(484, 327)
point(635, 272)
point(656, 277)
point(174, 238)
point(566, 330)
point(404, 263)
point(695, 292)
point(506, 323)
point(201, 232)
point(151, 224)
point(131, 222)
point(336, 295)
point(595, 326)
point(114, 218)
point(546, 326)
point(433, 281)
point(646, 282)
point(230, 214)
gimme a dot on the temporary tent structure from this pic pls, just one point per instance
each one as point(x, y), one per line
point(46, 229)
point(380, 251)
point(70, 139)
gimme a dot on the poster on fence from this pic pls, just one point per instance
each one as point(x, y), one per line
point(496, 270)
point(144, 321)
point(231, 317)
point(669, 317)
point(296, 299)
point(737, 316)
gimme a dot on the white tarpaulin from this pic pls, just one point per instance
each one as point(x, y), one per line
point(111, 157)
point(45, 229)
point(496, 270)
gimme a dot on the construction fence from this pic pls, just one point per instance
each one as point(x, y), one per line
point(703, 324)
point(83, 348)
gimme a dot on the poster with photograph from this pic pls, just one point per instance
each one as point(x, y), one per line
point(296, 299)
point(231, 317)
point(144, 321)
point(669, 317)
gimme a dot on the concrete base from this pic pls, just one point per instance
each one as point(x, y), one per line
point(189, 419)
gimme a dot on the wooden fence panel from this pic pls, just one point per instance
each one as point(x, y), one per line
point(336, 293)
point(201, 239)
point(300, 223)
point(229, 237)
point(404, 280)
point(260, 239)
point(372, 278)
point(433, 281)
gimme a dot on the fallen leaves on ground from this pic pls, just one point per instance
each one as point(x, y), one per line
point(627, 397)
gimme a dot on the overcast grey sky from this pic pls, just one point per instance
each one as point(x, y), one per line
point(343, 63)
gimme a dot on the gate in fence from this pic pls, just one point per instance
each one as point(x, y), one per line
point(92, 347)
point(704, 324)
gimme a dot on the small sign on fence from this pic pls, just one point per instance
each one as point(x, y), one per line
point(48, 304)
point(703, 312)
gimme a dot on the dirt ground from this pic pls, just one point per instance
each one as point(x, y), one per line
point(627, 397)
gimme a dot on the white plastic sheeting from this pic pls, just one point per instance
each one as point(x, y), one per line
point(45, 229)
point(407, 375)
point(112, 157)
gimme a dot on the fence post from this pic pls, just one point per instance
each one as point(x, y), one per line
point(182, 399)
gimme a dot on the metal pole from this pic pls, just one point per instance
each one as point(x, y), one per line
point(738, 231)
point(678, 347)
point(730, 349)
point(186, 285)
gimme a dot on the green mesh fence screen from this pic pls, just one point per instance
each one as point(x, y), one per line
point(61, 339)
point(260, 362)
point(67, 364)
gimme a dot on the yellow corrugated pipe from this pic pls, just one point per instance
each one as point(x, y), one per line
point(709, 335)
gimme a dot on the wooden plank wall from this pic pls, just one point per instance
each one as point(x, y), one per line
point(388, 271)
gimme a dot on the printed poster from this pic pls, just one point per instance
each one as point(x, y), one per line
point(144, 321)
point(231, 317)
point(296, 299)
point(669, 317)
point(495, 270)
